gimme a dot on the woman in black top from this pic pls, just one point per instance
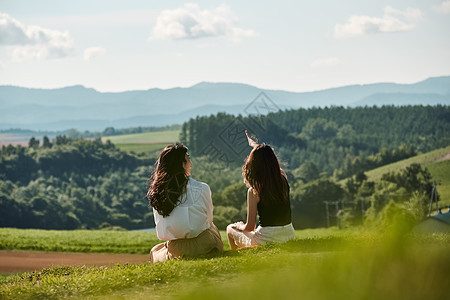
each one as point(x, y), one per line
point(267, 196)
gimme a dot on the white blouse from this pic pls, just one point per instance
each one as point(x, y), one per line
point(189, 218)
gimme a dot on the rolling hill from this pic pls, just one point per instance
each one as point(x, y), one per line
point(87, 109)
point(437, 162)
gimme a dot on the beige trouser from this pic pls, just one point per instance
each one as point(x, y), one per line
point(206, 242)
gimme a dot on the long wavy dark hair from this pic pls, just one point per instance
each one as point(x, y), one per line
point(168, 181)
point(263, 173)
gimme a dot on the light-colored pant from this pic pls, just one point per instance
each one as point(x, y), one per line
point(204, 243)
point(261, 235)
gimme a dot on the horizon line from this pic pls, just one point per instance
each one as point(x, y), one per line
point(216, 82)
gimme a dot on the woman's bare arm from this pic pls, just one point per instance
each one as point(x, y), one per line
point(252, 141)
point(252, 209)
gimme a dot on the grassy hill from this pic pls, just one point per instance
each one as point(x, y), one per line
point(437, 162)
point(147, 143)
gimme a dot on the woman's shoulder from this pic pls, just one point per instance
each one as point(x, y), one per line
point(198, 184)
point(253, 191)
point(252, 194)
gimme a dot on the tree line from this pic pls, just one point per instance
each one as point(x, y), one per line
point(334, 138)
point(72, 183)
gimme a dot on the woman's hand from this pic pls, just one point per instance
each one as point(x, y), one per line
point(252, 141)
point(238, 226)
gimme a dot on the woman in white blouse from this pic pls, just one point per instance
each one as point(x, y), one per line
point(182, 208)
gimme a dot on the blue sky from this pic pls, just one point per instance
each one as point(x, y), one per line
point(288, 45)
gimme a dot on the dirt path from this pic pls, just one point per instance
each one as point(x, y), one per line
point(21, 261)
point(445, 157)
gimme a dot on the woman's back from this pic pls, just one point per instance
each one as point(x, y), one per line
point(274, 214)
point(189, 218)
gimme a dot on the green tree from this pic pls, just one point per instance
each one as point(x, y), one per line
point(109, 131)
point(234, 195)
point(308, 207)
point(307, 172)
point(33, 143)
point(46, 142)
point(320, 128)
point(413, 178)
point(417, 206)
point(224, 215)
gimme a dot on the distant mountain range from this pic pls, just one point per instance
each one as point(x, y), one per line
point(87, 109)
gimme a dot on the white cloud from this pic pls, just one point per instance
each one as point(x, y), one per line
point(33, 42)
point(444, 8)
point(189, 22)
point(325, 62)
point(93, 53)
point(393, 20)
point(411, 14)
point(2, 66)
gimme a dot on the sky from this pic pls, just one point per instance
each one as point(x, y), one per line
point(299, 46)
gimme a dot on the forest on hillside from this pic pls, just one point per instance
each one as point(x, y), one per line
point(69, 183)
point(333, 138)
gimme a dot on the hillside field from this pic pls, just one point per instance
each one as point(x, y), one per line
point(437, 162)
point(168, 136)
point(425, 159)
point(148, 149)
point(148, 143)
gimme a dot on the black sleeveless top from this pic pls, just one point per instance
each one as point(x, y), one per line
point(274, 214)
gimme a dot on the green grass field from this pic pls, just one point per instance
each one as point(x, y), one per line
point(427, 159)
point(439, 169)
point(148, 144)
point(441, 173)
point(133, 242)
point(142, 148)
point(319, 264)
point(99, 241)
point(168, 136)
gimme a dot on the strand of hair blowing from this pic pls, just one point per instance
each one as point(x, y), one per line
point(168, 181)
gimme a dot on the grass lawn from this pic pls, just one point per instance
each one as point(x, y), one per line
point(319, 264)
point(133, 242)
point(99, 241)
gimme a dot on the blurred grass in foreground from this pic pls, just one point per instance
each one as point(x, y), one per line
point(319, 264)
